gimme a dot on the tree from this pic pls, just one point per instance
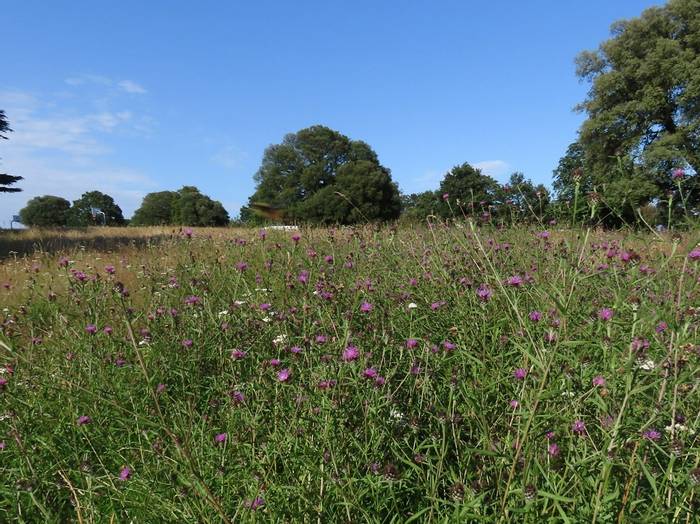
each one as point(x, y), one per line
point(192, 208)
point(304, 173)
point(643, 106)
point(469, 189)
point(523, 199)
point(187, 207)
point(418, 206)
point(81, 214)
point(7, 180)
point(45, 211)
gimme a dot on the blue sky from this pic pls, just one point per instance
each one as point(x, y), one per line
point(130, 97)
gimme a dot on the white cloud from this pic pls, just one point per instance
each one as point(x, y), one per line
point(131, 87)
point(229, 157)
point(493, 168)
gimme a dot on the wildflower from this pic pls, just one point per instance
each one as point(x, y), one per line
point(110, 270)
point(125, 473)
point(549, 435)
point(379, 381)
point(192, 300)
point(605, 314)
point(449, 346)
point(295, 349)
point(83, 419)
point(520, 373)
point(415, 369)
point(107, 330)
point(411, 343)
point(296, 237)
point(238, 354)
point(535, 316)
point(678, 174)
point(328, 259)
point(262, 234)
point(578, 427)
point(543, 235)
point(651, 434)
point(599, 381)
point(255, 504)
point(187, 343)
point(274, 362)
point(661, 327)
point(265, 307)
point(350, 353)
point(160, 388)
point(366, 307)
point(187, 232)
point(694, 254)
point(237, 397)
point(514, 404)
point(327, 384)
point(220, 438)
point(370, 373)
point(91, 329)
point(484, 293)
point(321, 339)
point(241, 266)
point(553, 450)
point(412, 305)
point(445, 196)
point(2, 445)
point(515, 281)
point(437, 305)
point(284, 374)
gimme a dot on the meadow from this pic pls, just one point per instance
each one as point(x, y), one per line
point(452, 373)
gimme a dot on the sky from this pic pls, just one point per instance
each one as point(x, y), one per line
point(131, 97)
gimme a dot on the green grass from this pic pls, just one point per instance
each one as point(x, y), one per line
point(440, 440)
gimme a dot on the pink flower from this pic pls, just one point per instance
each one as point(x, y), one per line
point(651, 434)
point(83, 419)
point(605, 314)
point(220, 438)
point(520, 373)
point(514, 404)
point(187, 343)
point(484, 293)
point(91, 329)
point(238, 354)
point(445, 196)
point(370, 373)
point(515, 281)
point(274, 362)
point(256, 503)
point(125, 473)
point(678, 174)
point(535, 316)
point(449, 346)
point(694, 254)
point(296, 237)
point(553, 449)
point(110, 270)
point(366, 307)
point(350, 353)
point(599, 381)
point(411, 343)
point(284, 374)
point(578, 427)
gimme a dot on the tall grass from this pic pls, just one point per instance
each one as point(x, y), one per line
point(455, 374)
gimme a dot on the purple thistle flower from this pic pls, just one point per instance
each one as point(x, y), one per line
point(535, 316)
point(599, 381)
point(107, 330)
point(237, 397)
point(238, 354)
point(192, 300)
point(303, 277)
point(694, 254)
point(321, 339)
point(449, 346)
point(274, 362)
point(265, 307)
point(220, 438)
point(520, 373)
point(125, 473)
point(350, 353)
point(160, 388)
point(678, 174)
point(379, 381)
point(366, 307)
point(328, 259)
point(661, 327)
point(651, 434)
point(110, 269)
point(411, 343)
point(296, 237)
point(284, 374)
point(327, 384)
point(187, 343)
point(553, 450)
point(484, 293)
point(241, 266)
point(514, 404)
point(83, 419)
point(91, 329)
point(605, 314)
point(255, 504)
point(370, 373)
point(295, 349)
point(578, 427)
point(445, 196)
point(437, 305)
point(514, 281)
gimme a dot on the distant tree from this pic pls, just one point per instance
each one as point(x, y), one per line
point(643, 111)
point(187, 207)
point(45, 211)
point(302, 176)
point(523, 199)
point(156, 209)
point(81, 215)
point(192, 208)
point(418, 206)
point(469, 189)
point(7, 180)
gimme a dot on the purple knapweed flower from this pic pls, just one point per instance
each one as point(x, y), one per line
point(303, 277)
point(661, 327)
point(553, 450)
point(366, 307)
point(187, 343)
point(605, 314)
point(160, 388)
point(107, 330)
point(192, 300)
point(255, 504)
point(295, 349)
point(284, 374)
point(515, 281)
point(328, 259)
point(327, 384)
point(445, 196)
point(241, 266)
point(321, 339)
point(484, 293)
point(370, 373)
point(520, 373)
point(296, 237)
point(262, 234)
point(237, 397)
point(578, 427)
point(350, 353)
point(110, 270)
point(91, 329)
point(437, 305)
point(694, 254)
point(599, 381)
point(543, 235)
point(514, 404)
point(220, 438)
point(274, 362)
point(265, 307)
point(379, 380)
point(411, 343)
point(535, 316)
point(651, 434)
point(83, 419)
point(449, 346)
point(187, 232)
point(238, 354)
point(125, 473)
point(678, 174)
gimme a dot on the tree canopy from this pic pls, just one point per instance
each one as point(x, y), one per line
point(187, 207)
point(7, 180)
point(318, 175)
point(643, 111)
point(45, 211)
point(81, 212)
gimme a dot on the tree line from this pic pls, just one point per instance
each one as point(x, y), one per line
point(636, 157)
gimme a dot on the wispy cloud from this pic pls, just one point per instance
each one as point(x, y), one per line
point(127, 86)
point(229, 157)
point(493, 168)
point(63, 150)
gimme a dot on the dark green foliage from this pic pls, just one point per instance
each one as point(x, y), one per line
point(7, 180)
point(80, 214)
point(643, 112)
point(523, 200)
point(419, 206)
point(304, 173)
point(187, 207)
point(471, 190)
point(45, 211)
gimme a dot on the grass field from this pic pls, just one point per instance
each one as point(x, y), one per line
point(445, 374)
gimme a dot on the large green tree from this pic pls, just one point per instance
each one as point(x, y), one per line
point(81, 212)
point(187, 207)
point(45, 211)
point(643, 108)
point(469, 189)
point(7, 180)
point(319, 175)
